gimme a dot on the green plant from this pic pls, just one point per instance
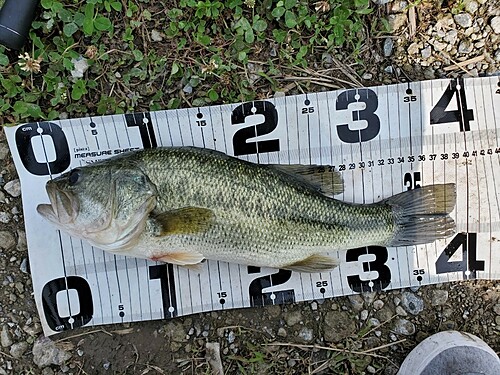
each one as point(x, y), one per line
point(207, 47)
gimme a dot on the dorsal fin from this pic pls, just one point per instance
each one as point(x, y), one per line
point(321, 178)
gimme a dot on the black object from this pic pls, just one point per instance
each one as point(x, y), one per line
point(15, 21)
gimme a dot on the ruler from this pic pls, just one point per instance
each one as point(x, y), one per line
point(384, 140)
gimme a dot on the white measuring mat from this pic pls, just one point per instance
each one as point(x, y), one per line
point(383, 140)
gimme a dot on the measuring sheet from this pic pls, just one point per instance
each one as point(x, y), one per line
point(384, 140)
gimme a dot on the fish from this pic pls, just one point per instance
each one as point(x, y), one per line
point(183, 205)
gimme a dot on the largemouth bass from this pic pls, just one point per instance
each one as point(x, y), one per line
point(182, 205)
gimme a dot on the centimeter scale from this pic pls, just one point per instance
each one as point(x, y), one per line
point(383, 140)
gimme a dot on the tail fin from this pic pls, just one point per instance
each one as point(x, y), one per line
point(421, 215)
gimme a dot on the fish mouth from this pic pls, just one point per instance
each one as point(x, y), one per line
point(63, 207)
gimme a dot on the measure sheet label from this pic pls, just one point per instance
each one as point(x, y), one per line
point(384, 140)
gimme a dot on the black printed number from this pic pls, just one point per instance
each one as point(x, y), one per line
point(468, 264)
point(384, 273)
point(412, 180)
point(27, 135)
point(52, 310)
point(240, 139)
point(462, 115)
point(258, 298)
point(165, 272)
point(372, 129)
point(145, 125)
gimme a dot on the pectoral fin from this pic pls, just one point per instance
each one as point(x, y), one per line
point(314, 263)
point(188, 258)
point(181, 221)
point(321, 178)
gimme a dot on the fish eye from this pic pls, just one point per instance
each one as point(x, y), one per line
point(75, 176)
point(140, 180)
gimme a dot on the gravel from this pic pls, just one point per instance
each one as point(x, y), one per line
point(412, 303)
point(13, 188)
point(45, 353)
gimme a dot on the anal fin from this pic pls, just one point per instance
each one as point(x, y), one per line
point(313, 263)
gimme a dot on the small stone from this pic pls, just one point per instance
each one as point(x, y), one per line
point(367, 76)
point(5, 217)
point(388, 47)
point(80, 65)
point(397, 21)
point(21, 241)
point(7, 240)
point(306, 334)
point(188, 89)
point(496, 309)
point(5, 337)
point(412, 303)
point(451, 37)
point(2, 195)
point(439, 297)
point(465, 47)
point(463, 19)
point(23, 267)
point(314, 306)
point(471, 6)
point(363, 315)
point(79, 352)
point(231, 337)
point(426, 52)
point(399, 6)
point(495, 24)
point(371, 370)
point(4, 151)
point(413, 49)
point(356, 302)
point(497, 320)
point(369, 297)
point(46, 353)
point(282, 332)
point(327, 59)
point(156, 36)
point(404, 327)
point(47, 371)
point(373, 322)
point(378, 304)
point(400, 311)
point(18, 349)
point(439, 46)
point(293, 317)
point(106, 365)
point(13, 188)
